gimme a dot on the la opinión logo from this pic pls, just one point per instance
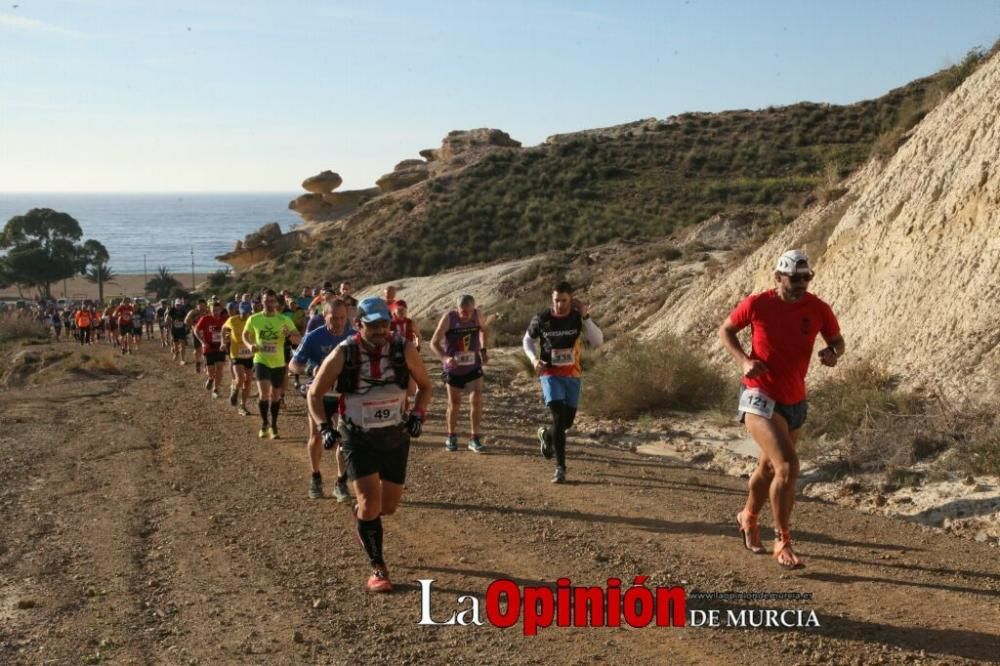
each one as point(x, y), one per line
point(538, 606)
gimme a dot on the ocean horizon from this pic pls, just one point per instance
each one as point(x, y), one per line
point(143, 231)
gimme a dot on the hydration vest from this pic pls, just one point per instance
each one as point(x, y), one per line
point(350, 377)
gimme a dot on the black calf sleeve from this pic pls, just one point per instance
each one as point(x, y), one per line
point(275, 406)
point(370, 532)
point(558, 431)
point(262, 406)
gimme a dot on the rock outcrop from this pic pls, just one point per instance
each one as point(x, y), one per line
point(265, 243)
point(406, 173)
point(909, 258)
point(322, 203)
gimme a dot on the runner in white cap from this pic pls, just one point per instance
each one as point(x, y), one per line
point(784, 324)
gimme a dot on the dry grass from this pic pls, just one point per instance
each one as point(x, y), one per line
point(18, 328)
point(869, 424)
point(652, 376)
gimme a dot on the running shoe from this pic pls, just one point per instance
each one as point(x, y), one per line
point(264, 432)
point(451, 444)
point(242, 411)
point(316, 488)
point(208, 384)
point(544, 445)
point(475, 445)
point(378, 582)
point(215, 395)
point(560, 475)
point(233, 395)
point(340, 491)
point(273, 433)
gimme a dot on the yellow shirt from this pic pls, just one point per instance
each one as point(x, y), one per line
point(236, 348)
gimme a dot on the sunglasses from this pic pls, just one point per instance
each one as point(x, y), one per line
point(798, 278)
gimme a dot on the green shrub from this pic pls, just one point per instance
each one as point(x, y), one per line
point(652, 376)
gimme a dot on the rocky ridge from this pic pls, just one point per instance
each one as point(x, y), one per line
point(907, 257)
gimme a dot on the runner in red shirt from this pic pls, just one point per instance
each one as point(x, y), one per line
point(208, 329)
point(784, 323)
point(124, 317)
point(404, 327)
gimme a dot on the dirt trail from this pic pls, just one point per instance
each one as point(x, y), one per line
point(141, 522)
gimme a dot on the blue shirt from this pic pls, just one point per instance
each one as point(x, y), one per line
point(317, 343)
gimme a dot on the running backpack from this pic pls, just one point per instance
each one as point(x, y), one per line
point(350, 377)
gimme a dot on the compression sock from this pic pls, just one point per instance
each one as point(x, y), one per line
point(370, 532)
point(275, 406)
point(558, 431)
point(262, 406)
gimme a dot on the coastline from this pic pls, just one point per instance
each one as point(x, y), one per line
point(80, 288)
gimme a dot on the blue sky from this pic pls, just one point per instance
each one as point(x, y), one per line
point(179, 95)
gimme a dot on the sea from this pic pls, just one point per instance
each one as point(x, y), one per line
point(145, 231)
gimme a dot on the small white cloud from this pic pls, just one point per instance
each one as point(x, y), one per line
point(24, 24)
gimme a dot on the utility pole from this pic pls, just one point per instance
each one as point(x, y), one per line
point(192, 268)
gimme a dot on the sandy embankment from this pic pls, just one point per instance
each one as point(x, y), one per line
point(79, 288)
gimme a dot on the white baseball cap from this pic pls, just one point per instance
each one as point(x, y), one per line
point(788, 263)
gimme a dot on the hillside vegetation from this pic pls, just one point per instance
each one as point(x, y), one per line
point(642, 180)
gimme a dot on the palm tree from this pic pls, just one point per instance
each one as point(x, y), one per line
point(163, 282)
point(100, 274)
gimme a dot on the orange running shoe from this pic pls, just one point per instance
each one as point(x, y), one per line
point(378, 582)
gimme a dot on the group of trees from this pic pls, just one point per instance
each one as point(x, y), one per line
point(43, 247)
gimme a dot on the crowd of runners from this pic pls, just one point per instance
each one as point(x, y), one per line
point(367, 390)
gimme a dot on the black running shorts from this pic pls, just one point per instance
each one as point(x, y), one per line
point(794, 415)
point(382, 451)
point(178, 334)
point(211, 358)
point(276, 376)
point(460, 381)
point(245, 362)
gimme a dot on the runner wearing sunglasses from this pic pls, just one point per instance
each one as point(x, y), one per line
point(784, 324)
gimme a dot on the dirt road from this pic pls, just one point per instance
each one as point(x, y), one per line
point(141, 522)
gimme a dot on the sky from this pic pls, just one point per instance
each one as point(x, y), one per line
point(229, 96)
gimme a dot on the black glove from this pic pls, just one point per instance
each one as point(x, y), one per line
point(329, 436)
point(415, 423)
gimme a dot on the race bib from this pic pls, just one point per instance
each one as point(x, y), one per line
point(380, 413)
point(216, 337)
point(753, 401)
point(268, 348)
point(562, 357)
point(465, 358)
point(244, 353)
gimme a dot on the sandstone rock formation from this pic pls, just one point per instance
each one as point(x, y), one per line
point(325, 181)
point(265, 243)
point(462, 141)
point(909, 258)
point(407, 173)
point(322, 203)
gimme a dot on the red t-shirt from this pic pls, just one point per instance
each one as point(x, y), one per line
point(782, 336)
point(124, 314)
point(209, 329)
point(404, 328)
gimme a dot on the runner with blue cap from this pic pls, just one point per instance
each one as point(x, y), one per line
point(371, 371)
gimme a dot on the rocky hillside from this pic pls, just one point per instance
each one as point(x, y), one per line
point(908, 256)
point(480, 197)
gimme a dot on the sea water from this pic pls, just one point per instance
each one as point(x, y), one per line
point(145, 231)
